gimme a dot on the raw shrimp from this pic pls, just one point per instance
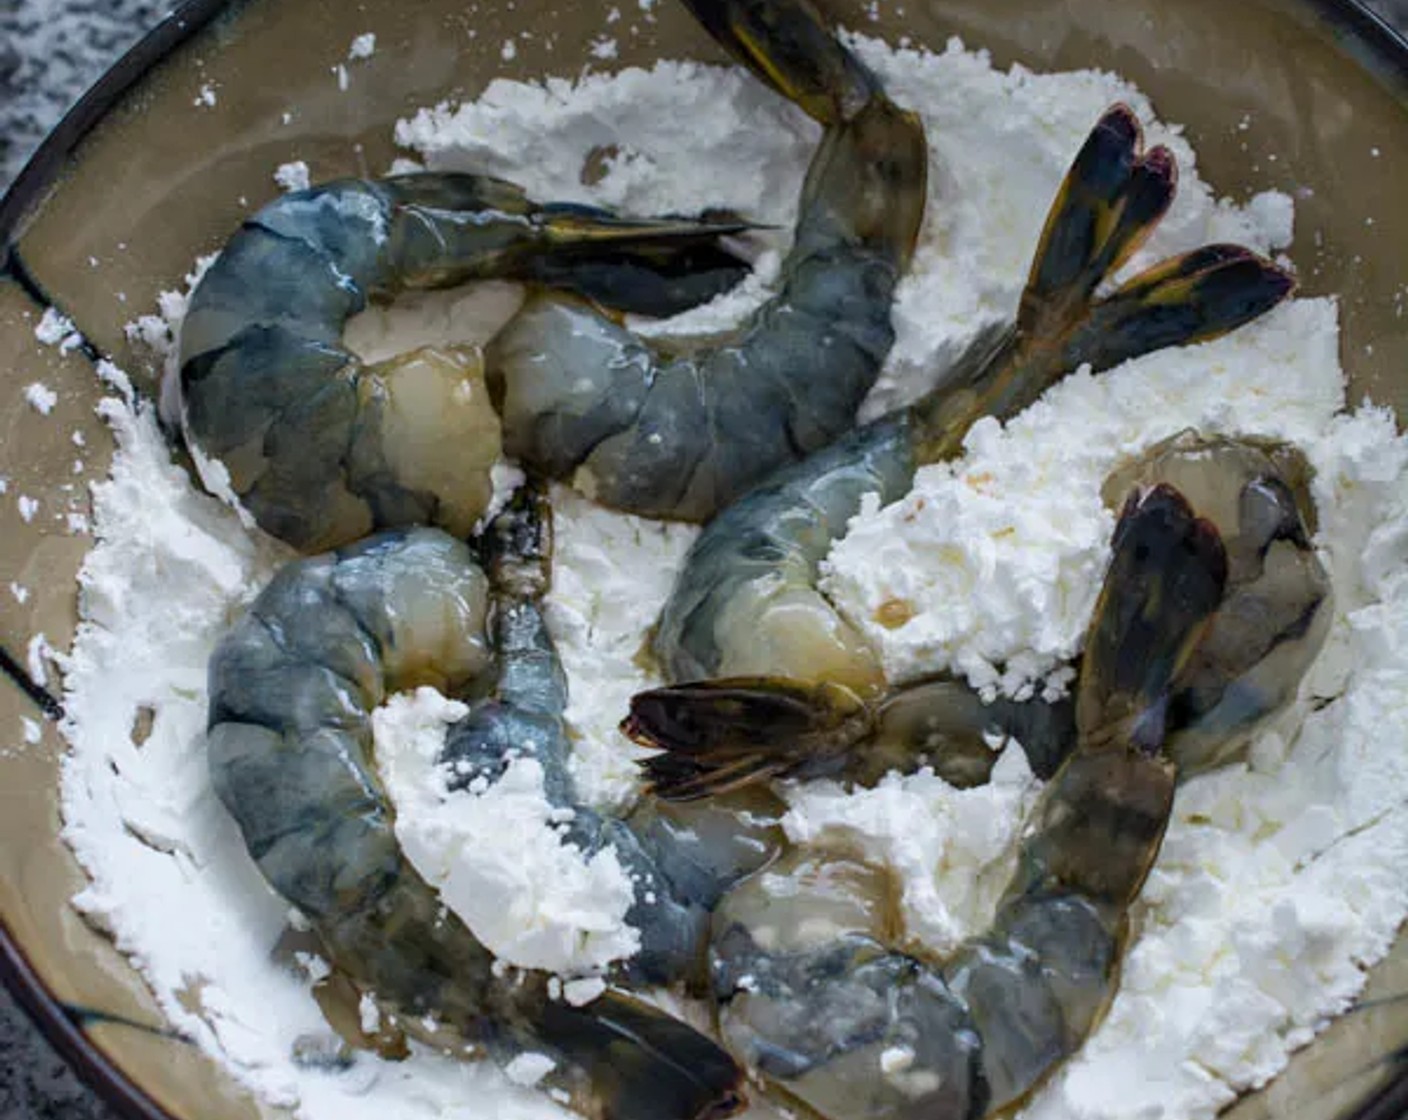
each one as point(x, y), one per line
point(746, 601)
point(1246, 669)
point(322, 449)
point(292, 686)
point(680, 859)
point(816, 997)
point(683, 435)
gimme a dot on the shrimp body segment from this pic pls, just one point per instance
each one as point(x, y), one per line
point(750, 579)
point(746, 601)
point(322, 449)
point(292, 686)
point(681, 435)
point(818, 1000)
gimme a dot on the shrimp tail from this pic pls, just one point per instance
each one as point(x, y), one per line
point(639, 1062)
point(1113, 196)
point(787, 45)
point(1111, 200)
point(721, 735)
point(1165, 581)
point(658, 280)
point(569, 225)
point(648, 266)
point(1194, 297)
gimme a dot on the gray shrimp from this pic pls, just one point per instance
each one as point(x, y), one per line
point(682, 435)
point(1246, 670)
point(680, 859)
point(746, 601)
point(292, 688)
point(322, 449)
point(817, 995)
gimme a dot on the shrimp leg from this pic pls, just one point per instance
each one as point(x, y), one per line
point(322, 449)
point(726, 733)
point(681, 436)
point(817, 1000)
point(292, 686)
point(746, 601)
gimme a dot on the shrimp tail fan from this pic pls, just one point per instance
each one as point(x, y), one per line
point(787, 45)
point(654, 265)
point(1106, 208)
point(638, 1063)
point(646, 266)
point(1166, 580)
point(721, 735)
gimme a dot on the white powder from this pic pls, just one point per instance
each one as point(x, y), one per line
point(1000, 553)
point(28, 507)
point(1279, 879)
point(529, 1068)
point(363, 46)
point(115, 378)
point(951, 849)
point(41, 398)
point(611, 576)
point(55, 329)
point(497, 854)
point(368, 1014)
point(582, 991)
point(747, 152)
point(292, 176)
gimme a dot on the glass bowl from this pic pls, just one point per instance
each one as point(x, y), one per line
point(139, 179)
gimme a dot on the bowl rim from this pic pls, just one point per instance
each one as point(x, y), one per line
point(1381, 48)
point(45, 165)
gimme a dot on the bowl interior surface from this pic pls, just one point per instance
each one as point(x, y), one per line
point(162, 179)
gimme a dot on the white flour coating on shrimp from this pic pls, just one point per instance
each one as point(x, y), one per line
point(494, 854)
point(611, 575)
point(998, 555)
point(1285, 914)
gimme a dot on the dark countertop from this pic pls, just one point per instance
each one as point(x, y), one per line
point(50, 52)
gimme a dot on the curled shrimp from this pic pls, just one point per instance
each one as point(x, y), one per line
point(819, 999)
point(292, 687)
point(746, 601)
point(683, 435)
point(322, 449)
point(1245, 671)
